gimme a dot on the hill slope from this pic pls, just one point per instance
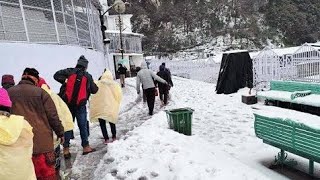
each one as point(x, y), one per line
point(172, 25)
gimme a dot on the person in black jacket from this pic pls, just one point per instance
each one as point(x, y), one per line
point(166, 69)
point(78, 111)
point(122, 70)
point(164, 88)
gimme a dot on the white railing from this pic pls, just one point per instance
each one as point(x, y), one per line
point(51, 21)
point(307, 63)
point(301, 65)
point(207, 71)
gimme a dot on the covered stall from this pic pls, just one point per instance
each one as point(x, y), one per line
point(235, 72)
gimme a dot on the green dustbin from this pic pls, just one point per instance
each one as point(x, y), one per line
point(180, 120)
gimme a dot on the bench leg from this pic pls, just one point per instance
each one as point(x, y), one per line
point(311, 167)
point(281, 159)
point(282, 156)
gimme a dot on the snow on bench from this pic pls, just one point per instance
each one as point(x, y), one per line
point(289, 91)
point(288, 114)
point(289, 130)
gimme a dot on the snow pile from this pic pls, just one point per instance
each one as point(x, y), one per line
point(154, 151)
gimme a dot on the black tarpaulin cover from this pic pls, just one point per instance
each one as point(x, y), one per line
point(235, 72)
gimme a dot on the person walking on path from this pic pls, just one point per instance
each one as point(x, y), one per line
point(15, 143)
point(77, 85)
point(164, 88)
point(39, 110)
point(165, 68)
point(105, 105)
point(65, 117)
point(122, 70)
point(146, 77)
point(7, 81)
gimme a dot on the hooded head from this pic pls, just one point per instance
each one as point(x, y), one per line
point(7, 81)
point(10, 126)
point(162, 68)
point(5, 102)
point(42, 82)
point(31, 74)
point(82, 62)
point(144, 65)
point(107, 75)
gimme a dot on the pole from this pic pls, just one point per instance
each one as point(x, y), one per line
point(103, 27)
point(120, 28)
point(24, 20)
point(55, 21)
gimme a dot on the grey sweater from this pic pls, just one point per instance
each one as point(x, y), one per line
point(146, 77)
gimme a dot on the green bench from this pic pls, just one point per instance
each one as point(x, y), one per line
point(283, 91)
point(289, 135)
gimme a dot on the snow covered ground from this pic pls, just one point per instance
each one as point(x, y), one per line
point(222, 146)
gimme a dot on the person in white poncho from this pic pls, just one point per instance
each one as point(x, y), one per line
point(105, 105)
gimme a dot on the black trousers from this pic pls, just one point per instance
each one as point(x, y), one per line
point(150, 95)
point(164, 97)
point(104, 129)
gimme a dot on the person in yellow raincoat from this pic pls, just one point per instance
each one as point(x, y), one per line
point(105, 104)
point(64, 114)
point(16, 143)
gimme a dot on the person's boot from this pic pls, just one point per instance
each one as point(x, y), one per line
point(107, 141)
point(114, 138)
point(87, 150)
point(66, 153)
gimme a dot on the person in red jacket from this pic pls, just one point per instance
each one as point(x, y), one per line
point(78, 111)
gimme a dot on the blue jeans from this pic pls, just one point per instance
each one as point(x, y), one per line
point(80, 113)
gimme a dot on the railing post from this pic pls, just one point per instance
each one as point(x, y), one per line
point(90, 16)
point(75, 22)
point(55, 21)
point(24, 20)
point(1, 15)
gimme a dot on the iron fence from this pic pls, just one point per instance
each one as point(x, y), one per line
point(73, 22)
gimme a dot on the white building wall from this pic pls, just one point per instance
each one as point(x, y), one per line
point(113, 21)
point(137, 60)
point(47, 59)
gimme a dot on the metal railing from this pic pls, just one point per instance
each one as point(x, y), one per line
point(73, 22)
point(302, 65)
point(131, 43)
